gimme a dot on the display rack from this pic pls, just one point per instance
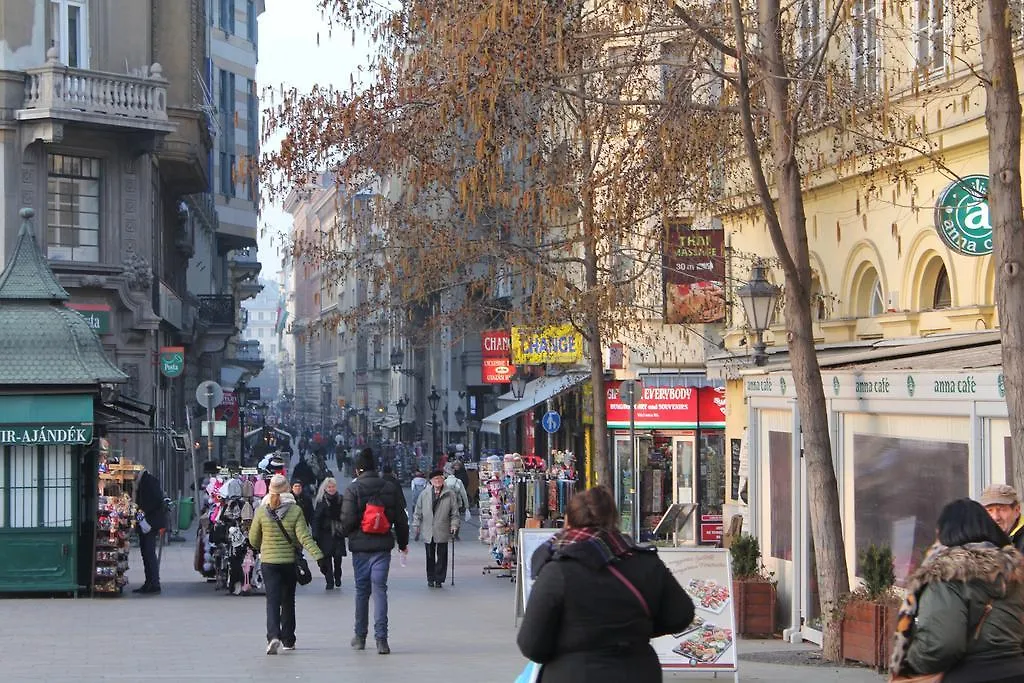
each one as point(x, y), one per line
point(110, 559)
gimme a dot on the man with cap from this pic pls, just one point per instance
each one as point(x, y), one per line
point(436, 513)
point(1003, 506)
point(373, 518)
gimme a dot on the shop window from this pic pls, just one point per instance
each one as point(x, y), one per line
point(56, 489)
point(73, 208)
point(780, 454)
point(941, 296)
point(69, 31)
point(900, 486)
point(24, 486)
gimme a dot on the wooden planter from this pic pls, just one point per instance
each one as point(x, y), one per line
point(755, 607)
point(867, 632)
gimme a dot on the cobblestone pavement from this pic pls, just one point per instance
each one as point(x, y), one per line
point(460, 634)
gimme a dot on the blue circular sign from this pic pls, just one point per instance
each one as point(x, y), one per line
point(551, 422)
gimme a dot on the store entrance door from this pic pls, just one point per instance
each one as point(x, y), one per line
point(684, 467)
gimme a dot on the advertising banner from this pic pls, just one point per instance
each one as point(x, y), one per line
point(553, 344)
point(693, 273)
point(668, 408)
point(497, 371)
point(495, 343)
point(228, 410)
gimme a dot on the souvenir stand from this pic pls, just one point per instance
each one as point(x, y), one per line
point(223, 554)
point(114, 521)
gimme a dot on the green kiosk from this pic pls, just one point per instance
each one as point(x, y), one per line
point(53, 370)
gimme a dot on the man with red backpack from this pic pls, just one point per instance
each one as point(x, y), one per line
point(373, 518)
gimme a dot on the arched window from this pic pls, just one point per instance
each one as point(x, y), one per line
point(869, 299)
point(877, 298)
point(819, 306)
point(936, 291)
point(942, 296)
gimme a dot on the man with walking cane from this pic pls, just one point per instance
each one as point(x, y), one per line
point(436, 513)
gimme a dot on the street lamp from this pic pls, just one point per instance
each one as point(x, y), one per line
point(398, 360)
point(758, 297)
point(400, 405)
point(518, 384)
point(460, 415)
point(433, 399)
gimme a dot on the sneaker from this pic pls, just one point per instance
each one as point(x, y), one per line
point(431, 584)
point(382, 646)
point(273, 646)
point(359, 642)
point(288, 647)
point(330, 586)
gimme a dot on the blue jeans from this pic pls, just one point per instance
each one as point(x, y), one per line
point(371, 570)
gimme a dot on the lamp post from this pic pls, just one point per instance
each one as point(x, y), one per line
point(400, 405)
point(474, 425)
point(433, 399)
point(758, 297)
point(518, 385)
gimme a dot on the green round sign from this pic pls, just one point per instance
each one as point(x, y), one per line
point(961, 216)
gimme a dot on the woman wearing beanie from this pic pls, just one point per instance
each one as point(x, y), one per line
point(276, 527)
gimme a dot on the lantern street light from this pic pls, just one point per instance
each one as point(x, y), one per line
point(433, 399)
point(518, 384)
point(758, 297)
point(460, 415)
point(400, 405)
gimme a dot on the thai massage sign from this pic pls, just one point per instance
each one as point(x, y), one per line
point(961, 216)
point(11, 435)
point(668, 408)
point(693, 271)
point(172, 360)
point(553, 344)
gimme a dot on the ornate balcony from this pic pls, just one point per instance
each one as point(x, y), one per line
point(56, 94)
point(217, 309)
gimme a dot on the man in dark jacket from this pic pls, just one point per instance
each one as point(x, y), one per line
point(370, 548)
point(303, 499)
point(149, 498)
point(1003, 506)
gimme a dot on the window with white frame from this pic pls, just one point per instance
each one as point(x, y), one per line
point(931, 35)
point(866, 57)
point(808, 41)
point(73, 208)
point(250, 20)
point(227, 16)
point(69, 31)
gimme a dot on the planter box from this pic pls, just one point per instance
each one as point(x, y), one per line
point(755, 607)
point(867, 632)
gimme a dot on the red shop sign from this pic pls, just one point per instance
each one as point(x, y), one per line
point(711, 403)
point(495, 344)
point(529, 434)
point(498, 370)
point(228, 410)
point(711, 533)
point(668, 408)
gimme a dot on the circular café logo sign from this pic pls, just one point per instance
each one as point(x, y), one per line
point(961, 216)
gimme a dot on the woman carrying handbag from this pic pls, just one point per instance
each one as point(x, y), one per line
point(961, 619)
point(277, 527)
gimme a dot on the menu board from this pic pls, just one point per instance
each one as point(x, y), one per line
point(709, 642)
point(529, 541)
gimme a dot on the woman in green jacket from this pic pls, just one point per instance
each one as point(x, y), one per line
point(277, 555)
point(964, 605)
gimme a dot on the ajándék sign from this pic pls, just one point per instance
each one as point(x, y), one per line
point(11, 435)
point(553, 344)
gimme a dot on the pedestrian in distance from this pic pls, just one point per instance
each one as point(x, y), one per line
point(151, 502)
point(328, 532)
point(436, 519)
point(598, 600)
point(454, 484)
point(373, 520)
point(1003, 505)
point(303, 499)
point(964, 604)
point(418, 485)
point(277, 527)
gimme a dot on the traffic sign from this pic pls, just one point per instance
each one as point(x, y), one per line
point(551, 422)
point(220, 428)
point(630, 391)
point(209, 393)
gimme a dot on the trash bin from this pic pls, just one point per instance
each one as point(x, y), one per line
point(184, 513)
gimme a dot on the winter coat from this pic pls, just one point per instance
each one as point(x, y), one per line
point(951, 590)
point(305, 503)
point(265, 534)
point(436, 518)
point(585, 626)
point(363, 488)
point(389, 476)
point(329, 536)
point(1017, 535)
point(149, 497)
point(454, 484)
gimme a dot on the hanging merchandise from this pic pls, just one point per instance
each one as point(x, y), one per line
point(110, 561)
point(223, 554)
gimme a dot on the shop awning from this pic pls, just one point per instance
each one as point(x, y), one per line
point(389, 423)
point(537, 391)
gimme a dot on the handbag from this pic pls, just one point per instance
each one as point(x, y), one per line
point(302, 574)
point(937, 678)
point(530, 673)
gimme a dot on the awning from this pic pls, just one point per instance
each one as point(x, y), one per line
point(537, 391)
point(389, 423)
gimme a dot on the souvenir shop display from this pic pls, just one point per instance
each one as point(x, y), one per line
point(110, 561)
point(518, 492)
point(223, 552)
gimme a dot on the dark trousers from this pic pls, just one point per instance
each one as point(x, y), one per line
point(150, 562)
point(334, 557)
point(437, 562)
point(279, 581)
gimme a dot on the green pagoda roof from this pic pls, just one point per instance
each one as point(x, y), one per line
point(42, 342)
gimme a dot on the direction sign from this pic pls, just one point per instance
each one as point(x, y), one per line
point(630, 391)
point(209, 392)
point(551, 422)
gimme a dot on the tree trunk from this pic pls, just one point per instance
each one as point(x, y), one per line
point(822, 486)
point(1002, 117)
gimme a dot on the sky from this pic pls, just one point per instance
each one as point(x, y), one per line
point(296, 50)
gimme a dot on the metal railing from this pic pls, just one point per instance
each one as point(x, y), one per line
point(217, 309)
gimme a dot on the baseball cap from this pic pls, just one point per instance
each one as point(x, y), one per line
point(999, 494)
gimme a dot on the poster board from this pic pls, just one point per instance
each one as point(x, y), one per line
point(708, 645)
point(528, 542)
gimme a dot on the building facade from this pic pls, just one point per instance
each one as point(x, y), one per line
point(262, 317)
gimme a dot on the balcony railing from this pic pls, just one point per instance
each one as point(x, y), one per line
point(58, 91)
point(217, 309)
point(248, 351)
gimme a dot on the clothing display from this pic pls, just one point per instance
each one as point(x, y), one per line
point(113, 524)
point(223, 553)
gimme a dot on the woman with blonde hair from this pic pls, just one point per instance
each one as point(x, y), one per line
point(328, 532)
point(276, 529)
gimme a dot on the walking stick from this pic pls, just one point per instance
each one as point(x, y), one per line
point(453, 561)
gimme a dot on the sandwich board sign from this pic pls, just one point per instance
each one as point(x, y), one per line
point(529, 541)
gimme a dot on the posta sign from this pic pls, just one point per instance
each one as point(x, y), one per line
point(669, 408)
point(497, 371)
point(962, 218)
point(495, 344)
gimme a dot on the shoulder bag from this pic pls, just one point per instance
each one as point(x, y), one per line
point(302, 574)
point(937, 678)
point(632, 589)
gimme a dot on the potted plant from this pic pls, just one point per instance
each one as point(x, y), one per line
point(869, 613)
point(753, 588)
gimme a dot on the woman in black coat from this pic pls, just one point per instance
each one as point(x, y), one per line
point(327, 531)
point(598, 600)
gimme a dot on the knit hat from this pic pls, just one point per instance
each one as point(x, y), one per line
point(279, 484)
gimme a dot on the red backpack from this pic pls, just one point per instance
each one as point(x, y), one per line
point(375, 520)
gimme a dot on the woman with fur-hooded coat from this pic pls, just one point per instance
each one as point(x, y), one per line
point(965, 603)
